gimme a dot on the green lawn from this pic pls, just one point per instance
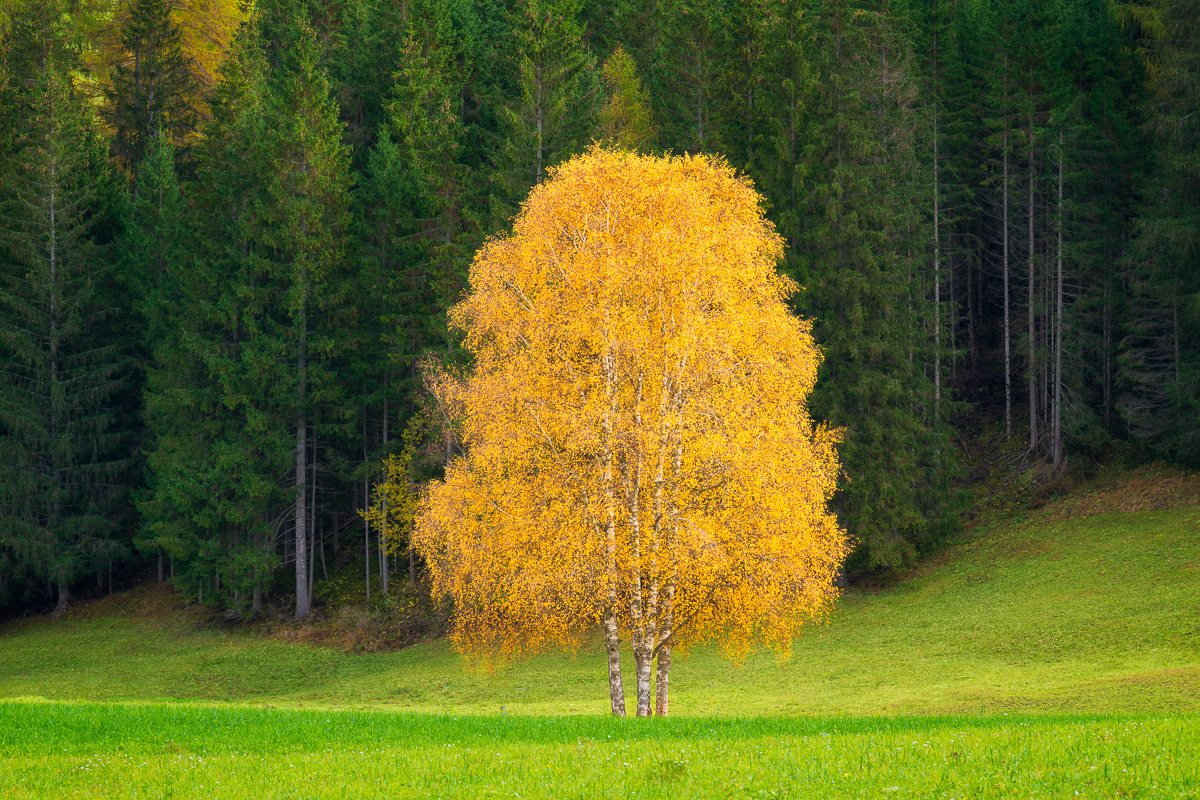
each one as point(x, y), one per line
point(1037, 657)
point(62, 750)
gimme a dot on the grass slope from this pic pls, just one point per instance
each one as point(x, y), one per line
point(1058, 613)
point(1056, 655)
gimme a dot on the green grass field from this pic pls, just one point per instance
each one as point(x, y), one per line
point(1040, 656)
point(62, 750)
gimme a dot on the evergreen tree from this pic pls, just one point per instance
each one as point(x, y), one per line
point(303, 314)
point(263, 320)
point(1160, 358)
point(1103, 163)
point(152, 251)
point(154, 91)
point(1000, 115)
point(426, 117)
point(750, 72)
point(216, 455)
point(552, 112)
point(62, 468)
point(784, 156)
point(361, 62)
point(858, 271)
point(1036, 24)
point(685, 83)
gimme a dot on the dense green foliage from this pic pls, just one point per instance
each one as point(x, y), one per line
point(62, 478)
point(991, 208)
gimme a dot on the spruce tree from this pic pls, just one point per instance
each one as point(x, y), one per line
point(1104, 160)
point(551, 113)
point(862, 245)
point(750, 74)
point(154, 89)
point(1160, 352)
point(303, 315)
point(63, 469)
point(152, 252)
point(217, 456)
point(1000, 106)
point(686, 84)
point(783, 157)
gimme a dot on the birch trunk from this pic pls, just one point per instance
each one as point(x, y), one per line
point(639, 635)
point(643, 664)
point(662, 685)
point(612, 634)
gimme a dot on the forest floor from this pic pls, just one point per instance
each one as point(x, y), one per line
point(1046, 651)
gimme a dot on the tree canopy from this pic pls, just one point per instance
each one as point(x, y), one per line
point(638, 449)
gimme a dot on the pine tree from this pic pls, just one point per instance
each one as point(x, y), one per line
point(859, 271)
point(154, 89)
point(552, 111)
point(217, 456)
point(62, 461)
point(1159, 373)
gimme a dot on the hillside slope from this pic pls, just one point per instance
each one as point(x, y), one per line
point(1053, 612)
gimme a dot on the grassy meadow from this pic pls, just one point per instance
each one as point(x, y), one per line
point(1046, 653)
point(65, 750)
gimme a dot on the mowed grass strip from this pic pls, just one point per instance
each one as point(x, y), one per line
point(148, 750)
point(1088, 614)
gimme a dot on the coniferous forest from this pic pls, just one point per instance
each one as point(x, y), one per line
point(230, 234)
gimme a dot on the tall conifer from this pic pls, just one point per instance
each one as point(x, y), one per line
point(552, 112)
point(861, 246)
point(1160, 353)
point(217, 457)
point(61, 462)
point(154, 89)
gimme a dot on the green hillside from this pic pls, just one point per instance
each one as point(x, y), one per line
point(1061, 611)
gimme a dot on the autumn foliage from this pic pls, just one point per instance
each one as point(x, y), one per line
point(637, 449)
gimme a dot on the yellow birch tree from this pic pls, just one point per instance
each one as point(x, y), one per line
point(638, 451)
